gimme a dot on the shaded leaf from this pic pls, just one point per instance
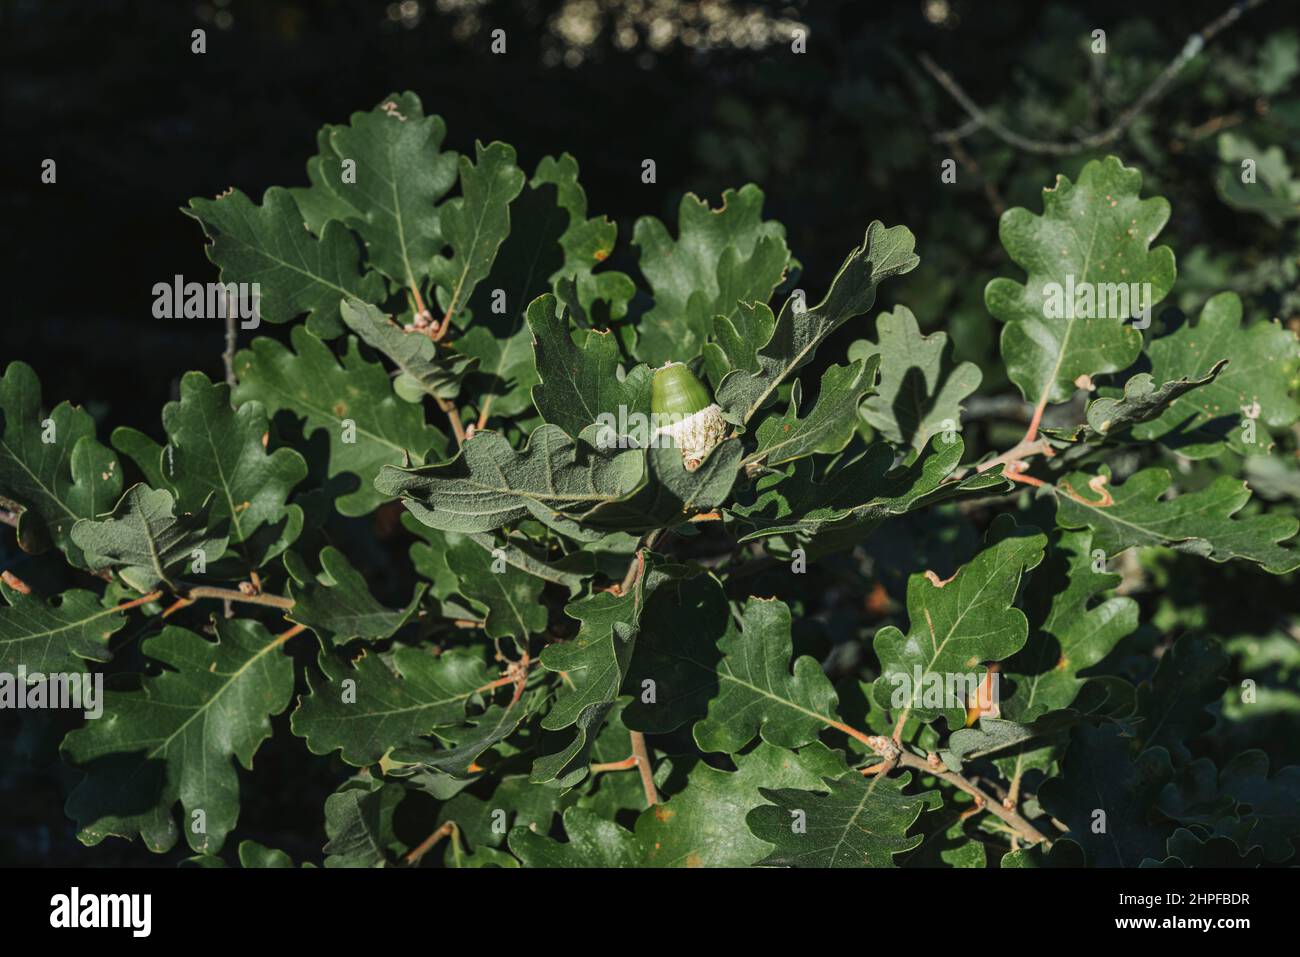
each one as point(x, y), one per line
point(510, 597)
point(337, 604)
point(389, 703)
point(1099, 776)
point(175, 739)
point(426, 368)
point(54, 636)
point(339, 398)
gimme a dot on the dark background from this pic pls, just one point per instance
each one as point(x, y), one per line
point(836, 137)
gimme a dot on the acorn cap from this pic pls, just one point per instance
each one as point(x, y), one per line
point(676, 390)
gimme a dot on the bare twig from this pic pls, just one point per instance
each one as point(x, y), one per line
point(980, 119)
point(642, 755)
point(447, 829)
point(230, 594)
point(453, 416)
point(228, 356)
point(626, 764)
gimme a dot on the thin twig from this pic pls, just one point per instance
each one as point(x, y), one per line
point(413, 856)
point(642, 755)
point(980, 119)
point(626, 764)
point(453, 416)
point(228, 356)
point(209, 591)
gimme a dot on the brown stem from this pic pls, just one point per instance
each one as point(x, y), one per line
point(413, 856)
point(483, 414)
point(142, 600)
point(231, 594)
point(642, 756)
point(626, 764)
point(453, 416)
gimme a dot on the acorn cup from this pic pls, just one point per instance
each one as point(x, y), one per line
point(692, 420)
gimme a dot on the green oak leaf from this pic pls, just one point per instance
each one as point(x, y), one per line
point(1275, 193)
point(1073, 628)
point(509, 361)
point(1092, 238)
point(592, 666)
point(429, 558)
point(703, 826)
point(1035, 745)
point(737, 339)
point(551, 241)
point(733, 682)
point(827, 427)
point(1098, 775)
point(671, 494)
point(252, 854)
point(217, 451)
point(578, 370)
point(353, 402)
point(391, 701)
point(1188, 679)
point(388, 193)
point(1186, 849)
point(919, 394)
point(1241, 800)
point(51, 464)
point(510, 598)
point(957, 626)
point(337, 604)
point(855, 497)
point(800, 329)
point(426, 367)
point(320, 202)
point(176, 737)
point(722, 257)
point(1140, 402)
point(469, 740)
point(489, 484)
point(593, 841)
point(296, 272)
point(144, 539)
point(46, 636)
point(846, 822)
point(1258, 383)
point(1199, 523)
point(359, 824)
point(474, 225)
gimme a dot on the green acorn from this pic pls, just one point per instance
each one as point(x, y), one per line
point(686, 414)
